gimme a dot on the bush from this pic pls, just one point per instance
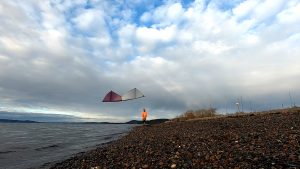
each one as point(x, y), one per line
point(194, 114)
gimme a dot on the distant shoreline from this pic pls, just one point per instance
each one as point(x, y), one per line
point(154, 121)
point(16, 121)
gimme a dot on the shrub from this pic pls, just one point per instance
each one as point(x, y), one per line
point(194, 114)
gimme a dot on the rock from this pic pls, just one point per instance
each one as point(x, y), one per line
point(145, 166)
point(97, 167)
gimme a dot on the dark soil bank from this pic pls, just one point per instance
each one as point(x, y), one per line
point(252, 141)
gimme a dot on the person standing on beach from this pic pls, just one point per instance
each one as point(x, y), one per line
point(144, 115)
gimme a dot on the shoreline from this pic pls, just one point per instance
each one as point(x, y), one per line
point(250, 141)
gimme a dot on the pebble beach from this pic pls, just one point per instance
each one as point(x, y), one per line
point(266, 140)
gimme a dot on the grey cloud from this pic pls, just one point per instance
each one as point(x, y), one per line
point(39, 117)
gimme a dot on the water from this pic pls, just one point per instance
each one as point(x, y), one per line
point(31, 145)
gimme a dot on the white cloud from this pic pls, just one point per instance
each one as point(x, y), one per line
point(4, 58)
point(291, 15)
point(150, 38)
point(164, 15)
point(267, 9)
point(245, 8)
point(146, 17)
point(210, 47)
point(89, 20)
point(12, 44)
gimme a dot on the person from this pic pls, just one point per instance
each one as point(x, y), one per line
point(144, 115)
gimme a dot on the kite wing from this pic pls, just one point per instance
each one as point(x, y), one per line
point(132, 94)
point(112, 97)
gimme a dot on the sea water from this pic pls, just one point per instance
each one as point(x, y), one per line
point(38, 145)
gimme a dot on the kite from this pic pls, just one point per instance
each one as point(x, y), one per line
point(112, 97)
point(130, 95)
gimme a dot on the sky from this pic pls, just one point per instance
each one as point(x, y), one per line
point(58, 58)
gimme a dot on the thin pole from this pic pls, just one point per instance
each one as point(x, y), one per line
point(242, 104)
point(291, 99)
point(294, 101)
point(226, 105)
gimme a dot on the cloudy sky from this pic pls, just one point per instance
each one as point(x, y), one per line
point(58, 58)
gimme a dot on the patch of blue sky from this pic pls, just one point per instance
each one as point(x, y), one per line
point(55, 2)
point(88, 5)
point(225, 5)
point(140, 9)
point(161, 46)
point(72, 12)
point(36, 15)
point(186, 3)
point(129, 58)
point(76, 32)
point(260, 25)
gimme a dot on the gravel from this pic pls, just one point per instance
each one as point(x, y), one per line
point(267, 140)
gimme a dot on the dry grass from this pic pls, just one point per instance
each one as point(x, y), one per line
point(211, 113)
point(197, 114)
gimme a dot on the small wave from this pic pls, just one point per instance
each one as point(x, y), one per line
point(107, 138)
point(46, 147)
point(111, 135)
point(6, 152)
point(19, 147)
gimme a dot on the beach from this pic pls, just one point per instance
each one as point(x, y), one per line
point(261, 140)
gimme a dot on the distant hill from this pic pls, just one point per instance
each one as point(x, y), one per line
point(155, 121)
point(98, 122)
point(16, 121)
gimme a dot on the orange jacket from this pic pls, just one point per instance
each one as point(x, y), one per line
point(144, 114)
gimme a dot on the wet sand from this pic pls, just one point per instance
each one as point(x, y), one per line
point(251, 141)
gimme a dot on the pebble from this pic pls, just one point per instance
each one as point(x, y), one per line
point(97, 167)
point(145, 166)
point(201, 144)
